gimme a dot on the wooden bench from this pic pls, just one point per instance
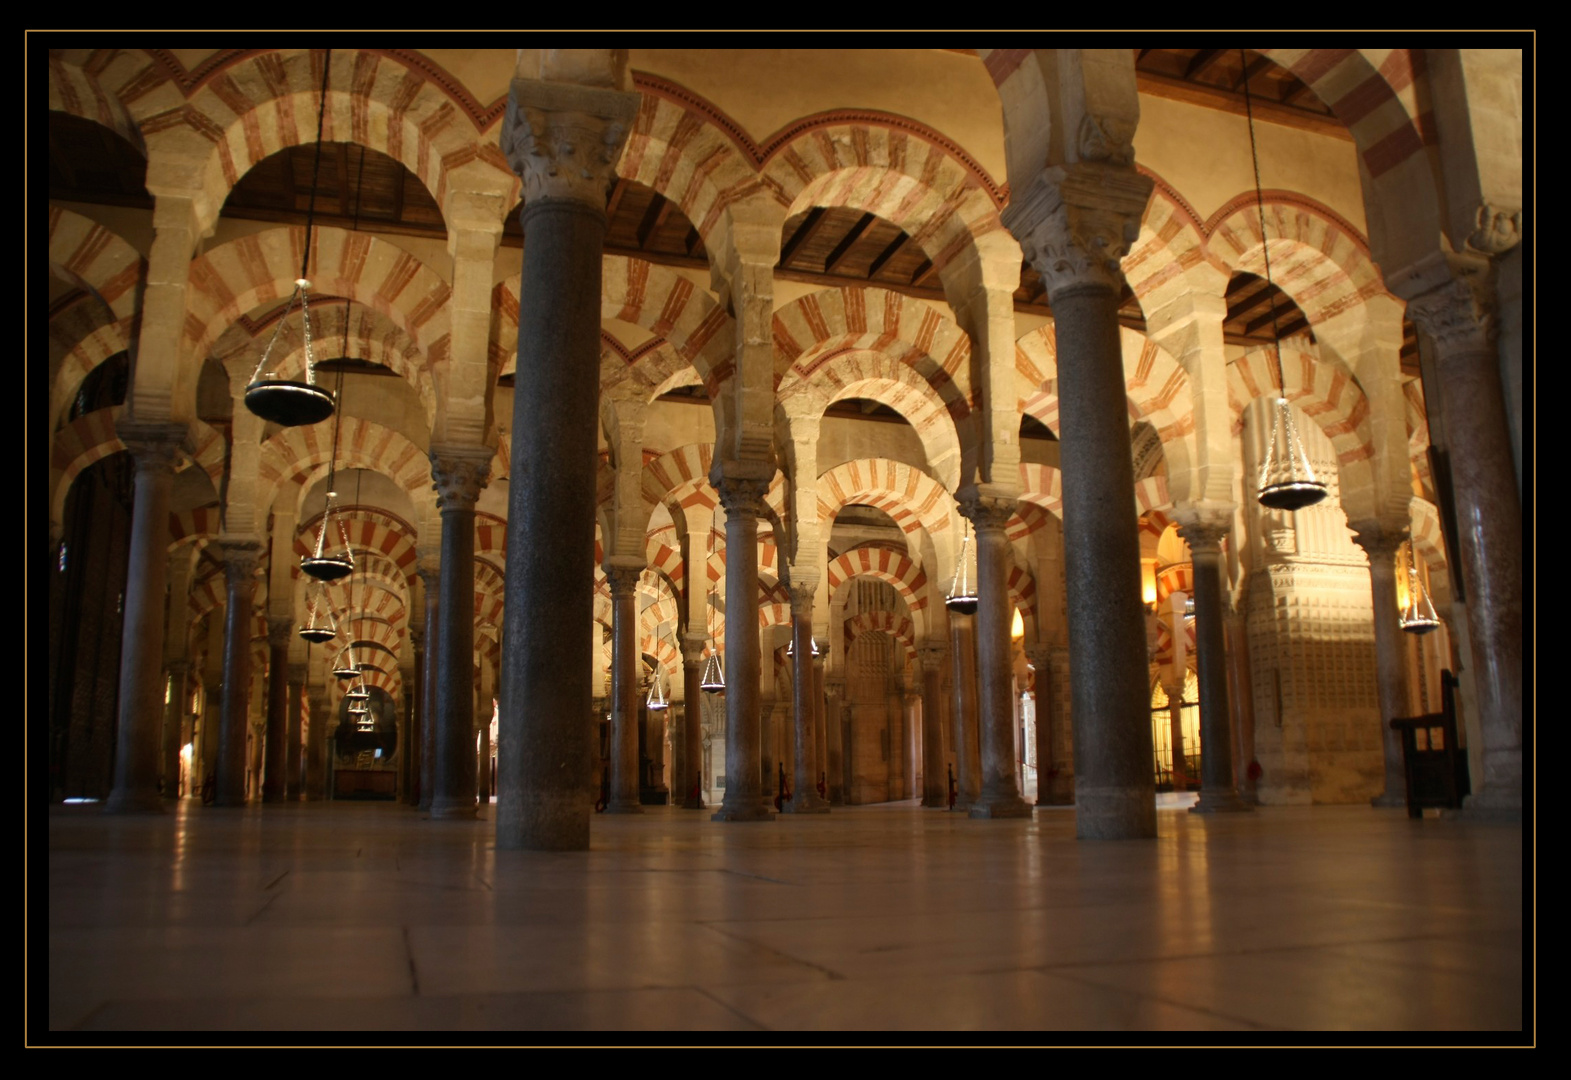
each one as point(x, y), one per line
point(1434, 761)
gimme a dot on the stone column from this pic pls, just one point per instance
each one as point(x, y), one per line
point(963, 721)
point(206, 763)
point(625, 663)
point(275, 784)
point(804, 786)
point(743, 500)
point(563, 139)
point(1390, 655)
point(316, 747)
point(431, 576)
point(483, 762)
point(1243, 706)
point(155, 448)
point(1458, 313)
point(459, 472)
point(414, 756)
point(834, 751)
point(1175, 732)
point(294, 789)
point(1218, 792)
point(240, 558)
point(821, 722)
point(174, 716)
point(1040, 657)
point(935, 774)
point(691, 784)
point(1000, 792)
point(1074, 223)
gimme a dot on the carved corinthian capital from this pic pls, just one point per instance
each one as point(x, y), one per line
point(458, 474)
point(987, 512)
point(743, 496)
point(563, 139)
point(1075, 223)
point(1459, 312)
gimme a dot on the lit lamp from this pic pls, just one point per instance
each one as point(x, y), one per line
point(657, 699)
point(712, 681)
point(1417, 612)
point(1148, 584)
point(1017, 629)
point(962, 591)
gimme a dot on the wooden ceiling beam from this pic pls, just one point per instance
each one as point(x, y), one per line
point(1253, 68)
point(922, 272)
point(1282, 314)
point(615, 201)
point(1202, 61)
point(804, 232)
point(888, 253)
point(659, 209)
point(847, 241)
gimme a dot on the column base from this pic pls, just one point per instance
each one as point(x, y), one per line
point(809, 803)
point(694, 804)
point(1482, 808)
point(742, 813)
point(138, 801)
point(446, 809)
point(624, 806)
point(554, 821)
point(935, 801)
point(1386, 800)
point(1225, 802)
point(1005, 806)
point(1115, 813)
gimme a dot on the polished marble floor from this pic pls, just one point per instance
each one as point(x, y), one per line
point(352, 917)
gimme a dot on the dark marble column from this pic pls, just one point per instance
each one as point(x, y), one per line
point(963, 719)
point(1074, 223)
point(804, 786)
point(240, 558)
point(744, 504)
point(155, 448)
point(935, 772)
point(459, 472)
point(1243, 707)
point(316, 746)
point(626, 659)
point(821, 722)
point(563, 140)
point(834, 750)
point(432, 578)
point(1459, 315)
point(275, 785)
point(1000, 793)
point(174, 718)
point(414, 747)
point(1217, 790)
point(1390, 656)
point(293, 752)
point(691, 785)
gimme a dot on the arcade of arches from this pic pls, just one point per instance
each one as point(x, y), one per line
point(867, 324)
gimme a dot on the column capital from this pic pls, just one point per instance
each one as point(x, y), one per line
point(458, 474)
point(563, 139)
point(240, 555)
point(1076, 222)
point(178, 668)
point(802, 597)
point(693, 647)
point(1040, 656)
point(742, 496)
point(622, 576)
point(1204, 536)
point(1378, 542)
point(297, 673)
point(155, 446)
point(986, 512)
point(416, 638)
point(278, 632)
point(1451, 298)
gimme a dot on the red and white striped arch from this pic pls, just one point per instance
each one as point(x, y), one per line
point(1156, 387)
point(1324, 389)
point(898, 627)
point(302, 455)
point(92, 437)
point(907, 494)
point(80, 92)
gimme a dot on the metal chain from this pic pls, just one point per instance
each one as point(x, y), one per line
point(1265, 248)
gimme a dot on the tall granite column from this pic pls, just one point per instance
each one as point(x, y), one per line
point(174, 717)
point(1074, 223)
point(692, 784)
point(240, 558)
point(1390, 656)
point(1459, 315)
point(1000, 793)
point(963, 719)
point(294, 775)
point(275, 785)
point(834, 748)
point(414, 756)
point(155, 448)
point(459, 473)
point(316, 746)
point(1243, 707)
point(743, 500)
point(563, 139)
point(935, 774)
point(1217, 789)
point(821, 722)
point(804, 698)
point(1175, 731)
point(432, 577)
point(626, 659)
